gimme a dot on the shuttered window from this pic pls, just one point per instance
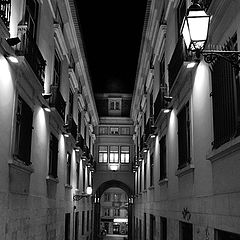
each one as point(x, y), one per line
point(183, 137)
point(23, 137)
point(53, 156)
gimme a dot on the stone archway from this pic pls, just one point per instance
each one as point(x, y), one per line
point(104, 186)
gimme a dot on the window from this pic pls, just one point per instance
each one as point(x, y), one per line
point(31, 17)
point(184, 137)
point(56, 70)
point(103, 130)
point(102, 154)
point(114, 104)
point(68, 168)
point(225, 98)
point(53, 156)
point(163, 228)
point(152, 227)
point(76, 225)
point(114, 130)
point(107, 212)
point(186, 231)
point(77, 174)
point(145, 227)
point(117, 197)
point(70, 109)
point(67, 226)
point(125, 131)
point(83, 222)
point(116, 212)
point(151, 104)
point(113, 154)
point(87, 220)
point(125, 154)
point(58, 19)
point(162, 72)
point(222, 235)
point(163, 172)
point(79, 122)
point(23, 137)
point(84, 177)
point(151, 169)
point(145, 174)
point(106, 197)
point(140, 178)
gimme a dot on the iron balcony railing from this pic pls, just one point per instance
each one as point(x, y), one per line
point(5, 11)
point(178, 57)
point(56, 101)
point(29, 49)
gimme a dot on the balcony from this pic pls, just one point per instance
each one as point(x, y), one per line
point(158, 104)
point(57, 102)
point(29, 49)
point(5, 12)
point(149, 129)
point(71, 127)
point(178, 57)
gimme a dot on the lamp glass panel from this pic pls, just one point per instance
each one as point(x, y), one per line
point(186, 35)
point(89, 190)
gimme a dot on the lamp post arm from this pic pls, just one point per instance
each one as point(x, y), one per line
point(230, 56)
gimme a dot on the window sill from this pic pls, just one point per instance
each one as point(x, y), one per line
point(163, 182)
point(181, 172)
point(16, 163)
point(224, 150)
point(52, 179)
point(68, 186)
point(151, 188)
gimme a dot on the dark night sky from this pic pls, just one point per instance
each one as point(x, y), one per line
point(111, 32)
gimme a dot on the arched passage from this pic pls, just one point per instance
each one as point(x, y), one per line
point(104, 186)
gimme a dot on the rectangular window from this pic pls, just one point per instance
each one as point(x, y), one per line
point(113, 154)
point(107, 212)
point(103, 130)
point(116, 212)
point(84, 178)
point(87, 220)
point(68, 168)
point(186, 231)
point(163, 228)
point(125, 154)
point(125, 131)
point(53, 156)
point(152, 227)
point(79, 122)
point(140, 178)
point(145, 174)
point(145, 227)
point(184, 137)
point(77, 174)
point(76, 225)
point(67, 226)
point(225, 98)
point(56, 70)
point(223, 235)
point(151, 170)
point(162, 71)
point(83, 222)
point(106, 197)
point(114, 130)
point(70, 108)
point(163, 165)
point(102, 154)
point(23, 137)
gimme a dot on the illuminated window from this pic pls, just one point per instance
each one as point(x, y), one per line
point(103, 154)
point(53, 156)
point(113, 154)
point(114, 130)
point(23, 137)
point(125, 154)
point(125, 131)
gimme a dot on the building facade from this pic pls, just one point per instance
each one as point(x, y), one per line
point(47, 118)
point(186, 128)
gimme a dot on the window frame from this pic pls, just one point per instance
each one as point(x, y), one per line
point(113, 154)
point(105, 153)
point(124, 154)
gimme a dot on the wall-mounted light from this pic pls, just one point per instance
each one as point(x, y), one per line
point(46, 108)
point(87, 193)
point(195, 29)
point(12, 58)
point(191, 65)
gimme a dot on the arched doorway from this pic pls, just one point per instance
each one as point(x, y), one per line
point(102, 188)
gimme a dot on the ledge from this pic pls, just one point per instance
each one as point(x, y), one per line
point(180, 172)
point(163, 182)
point(224, 150)
point(68, 186)
point(52, 179)
point(16, 163)
point(151, 188)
